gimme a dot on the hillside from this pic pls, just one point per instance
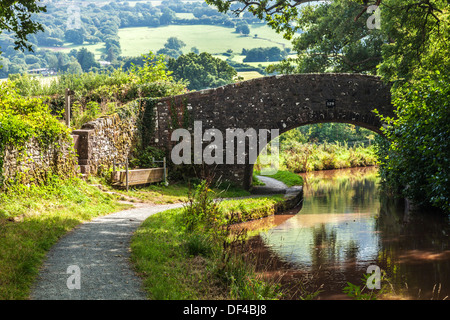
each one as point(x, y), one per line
point(99, 34)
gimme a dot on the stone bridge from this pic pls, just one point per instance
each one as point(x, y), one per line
point(277, 102)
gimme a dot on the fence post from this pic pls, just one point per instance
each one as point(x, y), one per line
point(126, 169)
point(67, 106)
point(165, 172)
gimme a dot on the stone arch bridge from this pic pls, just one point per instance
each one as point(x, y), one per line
point(276, 102)
point(270, 103)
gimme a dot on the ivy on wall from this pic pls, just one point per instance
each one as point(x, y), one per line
point(24, 119)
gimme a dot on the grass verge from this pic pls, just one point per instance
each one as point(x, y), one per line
point(177, 264)
point(32, 219)
point(173, 193)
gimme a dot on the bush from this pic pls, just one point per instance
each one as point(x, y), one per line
point(22, 119)
point(415, 158)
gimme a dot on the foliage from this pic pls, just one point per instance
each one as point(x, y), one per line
point(15, 17)
point(145, 157)
point(264, 54)
point(333, 41)
point(356, 292)
point(419, 39)
point(202, 213)
point(201, 70)
point(86, 59)
point(172, 48)
point(417, 159)
point(107, 91)
point(153, 69)
point(22, 119)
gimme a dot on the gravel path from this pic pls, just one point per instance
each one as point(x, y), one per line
point(100, 249)
point(272, 186)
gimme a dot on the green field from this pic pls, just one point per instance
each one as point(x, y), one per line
point(207, 38)
point(248, 75)
point(96, 49)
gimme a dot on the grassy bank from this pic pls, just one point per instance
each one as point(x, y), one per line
point(32, 219)
point(183, 256)
point(326, 156)
point(288, 178)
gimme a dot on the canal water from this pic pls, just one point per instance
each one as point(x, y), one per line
point(344, 226)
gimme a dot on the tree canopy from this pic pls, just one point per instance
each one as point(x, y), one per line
point(15, 17)
point(201, 70)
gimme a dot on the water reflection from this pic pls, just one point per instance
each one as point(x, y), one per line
point(345, 225)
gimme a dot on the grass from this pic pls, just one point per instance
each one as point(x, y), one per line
point(175, 264)
point(288, 178)
point(168, 272)
point(32, 219)
point(327, 156)
point(173, 193)
point(249, 75)
point(251, 209)
point(207, 38)
point(97, 49)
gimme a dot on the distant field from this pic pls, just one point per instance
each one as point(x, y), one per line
point(207, 38)
point(248, 75)
point(96, 49)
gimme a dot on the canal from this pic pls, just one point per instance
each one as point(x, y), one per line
point(346, 225)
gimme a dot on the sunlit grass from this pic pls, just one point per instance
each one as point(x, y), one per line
point(161, 255)
point(207, 38)
point(32, 219)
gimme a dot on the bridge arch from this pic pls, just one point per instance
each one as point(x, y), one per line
point(277, 102)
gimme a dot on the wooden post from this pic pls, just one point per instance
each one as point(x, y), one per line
point(165, 172)
point(67, 106)
point(126, 169)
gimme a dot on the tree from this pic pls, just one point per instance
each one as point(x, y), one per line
point(172, 47)
point(264, 54)
point(201, 70)
point(75, 36)
point(167, 17)
point(334, 42)
point(74, 67)
point(243, 28)
point(415, 157)
point(16, 17)
point(86, 59)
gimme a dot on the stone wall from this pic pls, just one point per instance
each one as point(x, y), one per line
point(100, 142)
point(34, 163)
